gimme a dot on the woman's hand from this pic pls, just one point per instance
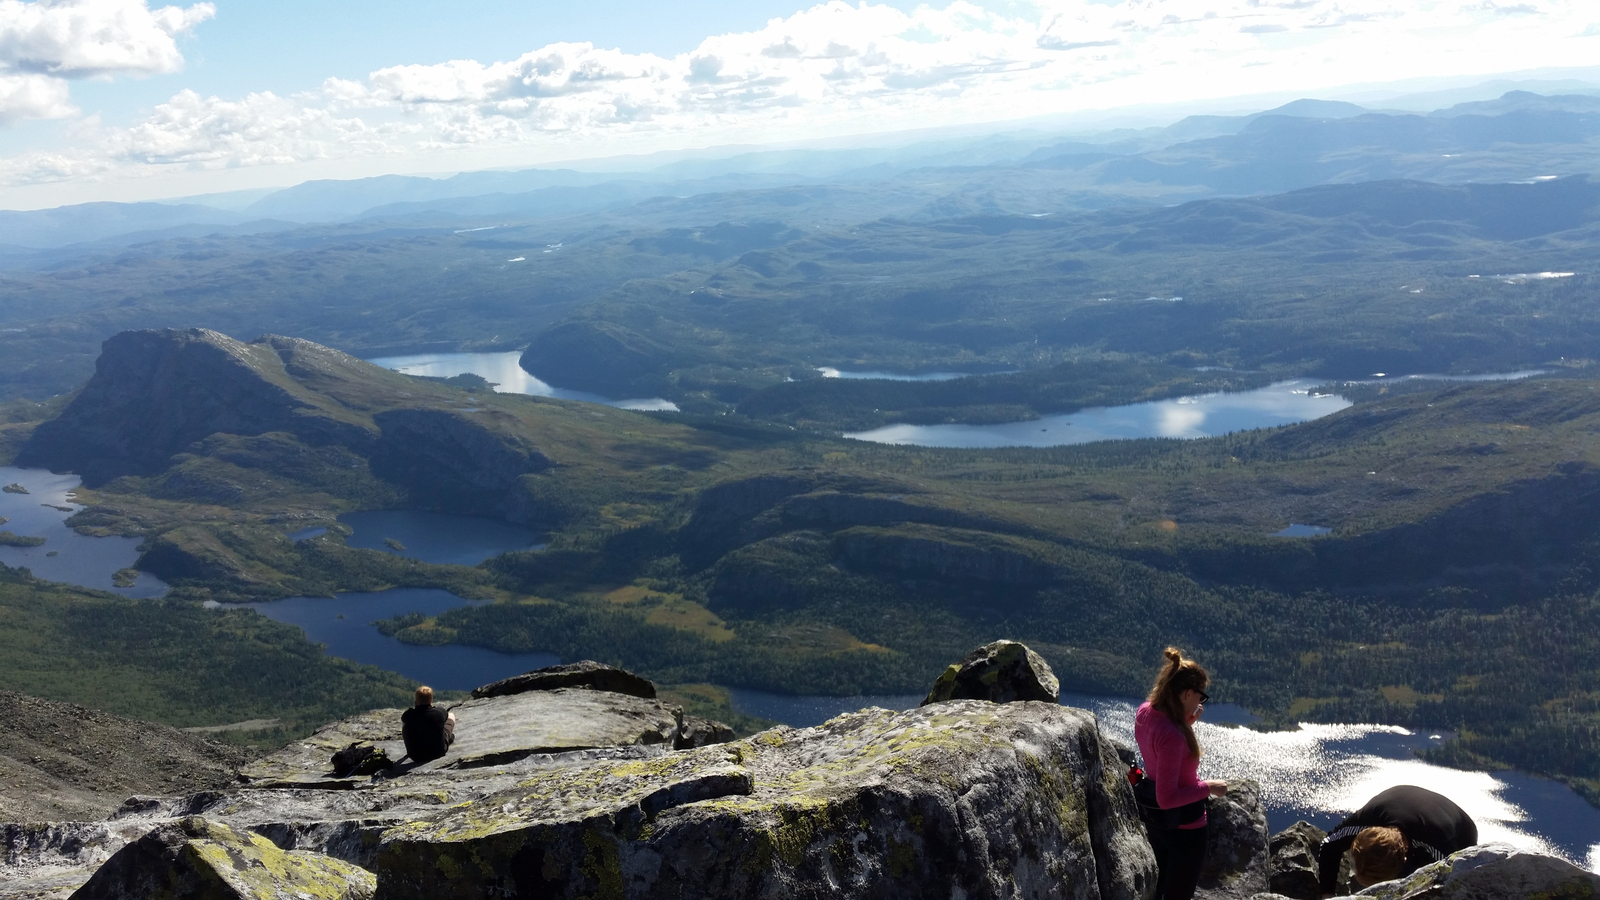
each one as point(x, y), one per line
point(1218, 788)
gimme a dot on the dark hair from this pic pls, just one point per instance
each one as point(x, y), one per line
point(1178, 675)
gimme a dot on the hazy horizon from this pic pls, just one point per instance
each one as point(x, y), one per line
point(118, 100)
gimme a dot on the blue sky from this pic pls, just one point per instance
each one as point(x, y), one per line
point(118, 99)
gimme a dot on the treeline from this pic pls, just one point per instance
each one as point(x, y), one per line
point(178, 663)
point(1519, 684)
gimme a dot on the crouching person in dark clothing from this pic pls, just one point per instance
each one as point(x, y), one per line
point(427, 730)
point(1398, 832)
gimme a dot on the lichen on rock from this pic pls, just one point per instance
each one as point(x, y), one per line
point(961, 799)
point(197, 859)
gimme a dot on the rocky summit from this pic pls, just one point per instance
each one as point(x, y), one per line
point(576, 791)
point(970, 798)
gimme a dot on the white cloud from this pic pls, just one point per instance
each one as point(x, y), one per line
point(261, 129)
point(833, 66)
point(85, 38)
point(30, 96)
point(42, 43)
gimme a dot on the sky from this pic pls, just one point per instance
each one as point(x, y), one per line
point(122, 100)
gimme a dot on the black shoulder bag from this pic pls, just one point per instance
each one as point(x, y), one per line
point(1144, 791)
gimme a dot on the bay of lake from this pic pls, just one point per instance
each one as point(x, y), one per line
point(1317, 772)
point(343, 625)
point(507, 374)
point(65, 556)
point(437, 537)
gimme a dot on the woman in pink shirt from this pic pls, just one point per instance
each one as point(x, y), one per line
point(1164, 728)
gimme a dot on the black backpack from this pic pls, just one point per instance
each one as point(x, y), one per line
point(360, 758)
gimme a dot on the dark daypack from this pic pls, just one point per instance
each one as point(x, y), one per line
point(360, 759)
point(1144, 791)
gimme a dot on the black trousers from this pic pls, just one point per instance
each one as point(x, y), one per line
point(1180, 852)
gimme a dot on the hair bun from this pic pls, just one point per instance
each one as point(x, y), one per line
point(1173, 654)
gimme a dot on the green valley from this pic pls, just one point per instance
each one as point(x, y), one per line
point(733, 551)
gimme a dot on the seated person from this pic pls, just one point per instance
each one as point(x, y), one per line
point(1399, 831)
point(427, 730)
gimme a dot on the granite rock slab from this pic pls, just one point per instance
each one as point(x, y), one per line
point(489, 732)
point(965, 798)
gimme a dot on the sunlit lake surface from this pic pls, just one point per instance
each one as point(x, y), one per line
point(831, 372)
point(1319, 773)
point(507, 375)
point(1201, 415)
point(343, 624)
point(1382, 378)
point(436, 537)
point(1298, 530)
point(66, 555)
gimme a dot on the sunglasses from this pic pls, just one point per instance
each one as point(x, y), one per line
point(1204, 697)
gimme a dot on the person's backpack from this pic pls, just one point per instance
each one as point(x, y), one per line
point(360, 758)
point(1144, 791)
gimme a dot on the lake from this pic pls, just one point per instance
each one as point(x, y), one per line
point(343, 625)
point(508, 376)
point(1382, 378)
point(831, 372)
point(66, 555)
point(1317, 772)
point(1197, 416)
point(434, 537)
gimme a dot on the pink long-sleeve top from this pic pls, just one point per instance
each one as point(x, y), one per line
point(1168, 762)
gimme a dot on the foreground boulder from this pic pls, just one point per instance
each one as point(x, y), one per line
point(1294, 861)
point(197, 859)
point(959, 799)
point(1237, 860)
point(1001, 672)
point(582, 674)
point(1492, 872)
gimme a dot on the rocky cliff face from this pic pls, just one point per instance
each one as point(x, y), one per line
point(279, 405)
point(156, 392)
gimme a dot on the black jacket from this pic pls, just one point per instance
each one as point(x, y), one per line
point(423, 730)
point(1433, 826)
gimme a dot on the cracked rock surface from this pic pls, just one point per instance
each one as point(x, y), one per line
point(966, 798)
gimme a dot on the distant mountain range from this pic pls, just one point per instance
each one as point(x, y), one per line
point(1519, 136)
